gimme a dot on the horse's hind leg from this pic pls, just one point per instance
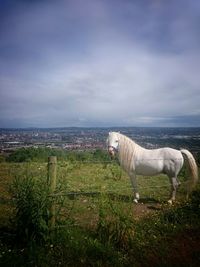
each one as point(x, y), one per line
point(174, 185)
point(135, 187)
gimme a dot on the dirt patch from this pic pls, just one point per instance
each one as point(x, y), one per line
point(144, 209)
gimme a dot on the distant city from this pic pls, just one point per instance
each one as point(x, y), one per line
point(95, 138)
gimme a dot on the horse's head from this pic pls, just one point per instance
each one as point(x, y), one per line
point(113, 143)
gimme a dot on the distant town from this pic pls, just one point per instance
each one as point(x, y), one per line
point(95, 138)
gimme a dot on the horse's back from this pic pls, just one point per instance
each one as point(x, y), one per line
point(172, 161)
point(161, 153)
point(162, 160)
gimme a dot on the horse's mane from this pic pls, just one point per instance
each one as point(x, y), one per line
point(127, 151)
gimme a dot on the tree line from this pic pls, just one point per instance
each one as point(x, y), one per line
point(41, 155)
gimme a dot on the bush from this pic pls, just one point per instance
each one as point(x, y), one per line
point(34, 154)
point(115, 227)
point(41, 154)
point(2, 158)
point(114, 172)
point(198, 158)
point(195, 201)
point(31, 209)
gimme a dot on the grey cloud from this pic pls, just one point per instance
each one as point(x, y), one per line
point(104, 63)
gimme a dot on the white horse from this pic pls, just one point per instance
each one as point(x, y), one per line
point(135, 159)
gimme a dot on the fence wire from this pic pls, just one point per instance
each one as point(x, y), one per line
point(98, 190)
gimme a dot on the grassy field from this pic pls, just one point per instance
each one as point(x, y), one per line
point(97, 223)
point(84, 182)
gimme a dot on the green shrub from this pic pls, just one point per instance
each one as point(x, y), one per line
point(34, 154)
point(198, 158)
point(31, 209)
point(115, 227)
point(42, 153)
point(2, 158)
point(114, 172)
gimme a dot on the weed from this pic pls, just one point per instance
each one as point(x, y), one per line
point(114, 226)
point(31, 209)
point(97, 229)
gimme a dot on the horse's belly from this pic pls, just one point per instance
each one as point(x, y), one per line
point(149, 169)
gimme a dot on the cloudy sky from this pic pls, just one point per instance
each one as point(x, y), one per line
point(99, 63)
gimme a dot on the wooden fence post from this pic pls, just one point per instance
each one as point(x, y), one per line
point(51, 180)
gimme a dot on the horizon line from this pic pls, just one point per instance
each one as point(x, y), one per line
point(87, 127)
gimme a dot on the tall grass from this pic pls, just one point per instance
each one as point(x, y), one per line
point(91, 230)
point(115, 225)
point(31, 201)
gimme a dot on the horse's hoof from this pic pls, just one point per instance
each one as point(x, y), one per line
point(170, 201)
point(135, 200)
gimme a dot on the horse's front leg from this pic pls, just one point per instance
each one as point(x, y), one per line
point(134, 186)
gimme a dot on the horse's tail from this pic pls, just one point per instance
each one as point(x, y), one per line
point(192, 169)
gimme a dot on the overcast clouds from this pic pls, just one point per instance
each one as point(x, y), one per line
point(99, 63)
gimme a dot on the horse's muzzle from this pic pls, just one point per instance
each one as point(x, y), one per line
point(111, 151)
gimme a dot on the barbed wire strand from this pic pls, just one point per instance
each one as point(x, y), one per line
point(87, 192)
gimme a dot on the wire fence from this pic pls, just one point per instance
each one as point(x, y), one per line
point(9, 171)
point(117, 161)
point(102, 177)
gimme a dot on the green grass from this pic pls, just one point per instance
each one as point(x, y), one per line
point(97, 224)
